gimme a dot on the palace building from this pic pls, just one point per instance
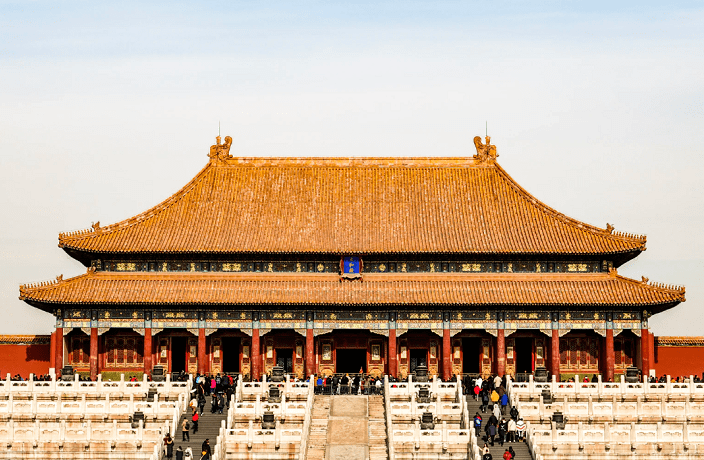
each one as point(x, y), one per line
point(332, 265)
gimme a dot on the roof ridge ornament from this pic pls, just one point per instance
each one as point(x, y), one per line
point(485, 152)
point(609, 228)
point(221, 151)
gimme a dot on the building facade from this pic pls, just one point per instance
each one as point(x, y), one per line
point(335, 265)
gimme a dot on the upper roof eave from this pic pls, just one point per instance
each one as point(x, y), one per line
point(85, 241)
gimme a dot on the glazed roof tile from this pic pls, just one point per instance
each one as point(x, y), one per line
point(352, 206)
point(514, 289)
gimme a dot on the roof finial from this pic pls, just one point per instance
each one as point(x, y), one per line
point(484, 151)
point(218, 138)
point(221, 151)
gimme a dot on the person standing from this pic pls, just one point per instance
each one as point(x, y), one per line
point(179, 453)
point(169, 446)
point(195, 419)
point(477, 424)
point(185, 427)
point(521, 429)
point(205, 450)
point(511, 430)
point(491, 432)
point(507, 455)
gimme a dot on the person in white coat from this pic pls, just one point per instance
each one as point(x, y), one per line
point(521, 429)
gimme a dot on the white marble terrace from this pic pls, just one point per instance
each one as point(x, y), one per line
point(88, 420)
point(613, 420)
point(242, 436)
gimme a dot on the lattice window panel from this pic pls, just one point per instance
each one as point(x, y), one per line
point(628, 352)
point(594, 353)
point(574, 355)
point(80, 351)
point(564, 352)
point(123, 351)
point(583, 347)
point(617, 353)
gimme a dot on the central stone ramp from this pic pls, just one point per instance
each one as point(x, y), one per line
point(378, 449)
point(318, 438)
point(348, 428)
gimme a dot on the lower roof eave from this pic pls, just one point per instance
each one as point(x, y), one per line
point(51, 307)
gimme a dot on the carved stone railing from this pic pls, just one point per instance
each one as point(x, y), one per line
point(99, 386)
point(533, 389)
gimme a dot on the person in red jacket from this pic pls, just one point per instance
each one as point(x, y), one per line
point(507, 455)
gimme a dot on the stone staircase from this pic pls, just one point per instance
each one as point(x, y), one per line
point(497, 451)
point(208, 428)
point(378, 449)
point(318, 437)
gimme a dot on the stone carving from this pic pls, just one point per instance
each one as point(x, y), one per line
point(219, 150)
point(484, 151)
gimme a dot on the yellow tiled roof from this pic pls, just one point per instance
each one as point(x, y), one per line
point(352, 206)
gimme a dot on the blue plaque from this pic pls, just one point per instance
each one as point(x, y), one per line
point(350, 264)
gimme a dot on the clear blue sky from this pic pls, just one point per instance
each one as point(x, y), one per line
point(597, 108)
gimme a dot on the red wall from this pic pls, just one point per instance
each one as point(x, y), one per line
point(679, 361)
point(24, 359)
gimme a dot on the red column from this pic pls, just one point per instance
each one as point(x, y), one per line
point(446, 355)
point(93, 353)
point(555, 354)
point(59, 356)
point(645, 351)
point(651, 349)
point(202, 369)
point(392, 352)
point(148, 351)
point(52, 350)
point(610, 356)
point(256, 359)
point(500, 353)
point(310, 361)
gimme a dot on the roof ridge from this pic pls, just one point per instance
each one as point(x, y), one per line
point(677, 289)
point(25, 289)
point(540, 205)
point(174, 198)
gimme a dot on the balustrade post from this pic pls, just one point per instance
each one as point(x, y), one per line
point(633, 434)
point(580, 434)
point(590, 410)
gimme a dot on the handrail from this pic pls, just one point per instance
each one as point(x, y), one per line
point(389, 430)
point(307, 419)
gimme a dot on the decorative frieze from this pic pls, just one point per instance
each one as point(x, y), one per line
point(370, 266)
